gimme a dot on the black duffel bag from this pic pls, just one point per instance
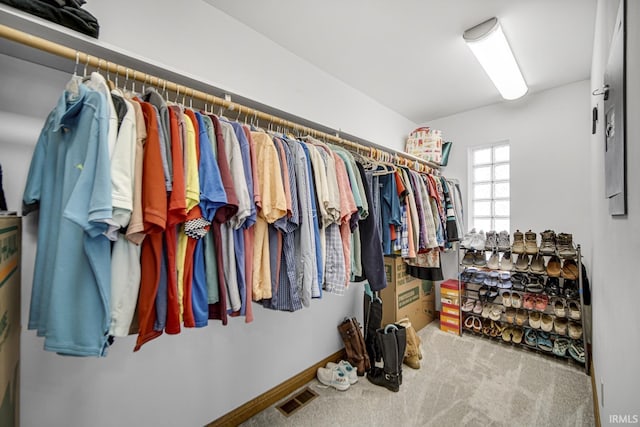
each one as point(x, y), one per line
point(64, 12)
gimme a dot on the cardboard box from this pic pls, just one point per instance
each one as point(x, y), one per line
point(406, 296)
point(10, 327)
point(450, 300)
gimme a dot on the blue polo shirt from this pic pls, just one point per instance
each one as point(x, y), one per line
point(212, 196)
point(69, 178)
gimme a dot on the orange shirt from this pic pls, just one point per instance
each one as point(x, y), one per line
point(154, 205)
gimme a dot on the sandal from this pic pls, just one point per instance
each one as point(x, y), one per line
point(467, 274)
point(576, 351)
point(560, 325)
point(477, 309)
point(529, 301)
point(521, 316)
point(559, 307)
point(506, 299)
point(495, 329)
point(478, 277)
point(574, 309)
point(535, 320)
point(531, 338)
point(496, 312)
point(506, 334)
point(510, 314)
point(575, 330)
point(560, 347)
point(516, 335)
point(468, 305)
point(477, 324)
point(486, 328)
point(468, 322)
point(541, 302)
point(486, 310)
point(544, 343)
point(516, 300)
point(546, 322)
point(492, 279)
point(504, 283)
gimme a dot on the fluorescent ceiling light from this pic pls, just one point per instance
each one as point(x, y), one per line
point(490, 46)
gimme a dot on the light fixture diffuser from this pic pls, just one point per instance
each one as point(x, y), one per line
point(490, 46)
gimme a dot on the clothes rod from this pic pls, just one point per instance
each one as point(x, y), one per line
point(85, 59)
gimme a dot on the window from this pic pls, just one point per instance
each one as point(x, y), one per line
point(489, 182)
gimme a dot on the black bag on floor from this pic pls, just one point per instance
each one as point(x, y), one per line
point(64, 12)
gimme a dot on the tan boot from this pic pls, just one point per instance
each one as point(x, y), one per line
point(412, 354)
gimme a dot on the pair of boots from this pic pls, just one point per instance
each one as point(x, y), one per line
point(413, 354)
point(392, 342)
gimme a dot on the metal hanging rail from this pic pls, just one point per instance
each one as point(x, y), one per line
point(30, 40)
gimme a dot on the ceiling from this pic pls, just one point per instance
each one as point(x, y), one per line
point(409, 54)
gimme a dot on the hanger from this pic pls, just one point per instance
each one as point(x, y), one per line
point(109, 82)
point(84, 72)
point(75, 67)
point(73, 86)
point(175, 101)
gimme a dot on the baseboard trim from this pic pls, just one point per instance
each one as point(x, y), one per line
point(596, 405)
point(272, 396)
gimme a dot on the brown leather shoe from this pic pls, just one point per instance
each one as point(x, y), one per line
point(570, 269)
point(553, 267)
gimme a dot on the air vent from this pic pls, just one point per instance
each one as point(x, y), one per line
point(297, 401)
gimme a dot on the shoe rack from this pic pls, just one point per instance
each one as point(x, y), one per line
point(532, 310)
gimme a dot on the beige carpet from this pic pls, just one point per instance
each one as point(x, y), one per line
point(464, 381)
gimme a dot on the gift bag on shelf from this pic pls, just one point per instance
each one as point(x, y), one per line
point(425, 143)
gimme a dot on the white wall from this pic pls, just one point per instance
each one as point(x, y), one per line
point(195, 377)
point(203, 41)
point(548, 133)
point(616, 241)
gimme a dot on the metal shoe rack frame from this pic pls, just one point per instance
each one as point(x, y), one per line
point(464, 294)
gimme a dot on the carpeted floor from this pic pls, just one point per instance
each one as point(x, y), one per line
point(464, 381)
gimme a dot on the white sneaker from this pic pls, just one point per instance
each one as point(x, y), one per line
point(347, 369)
point(467, 239)
point(478, 241)
point(335, 378)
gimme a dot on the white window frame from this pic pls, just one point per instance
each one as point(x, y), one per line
point(471, 181)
